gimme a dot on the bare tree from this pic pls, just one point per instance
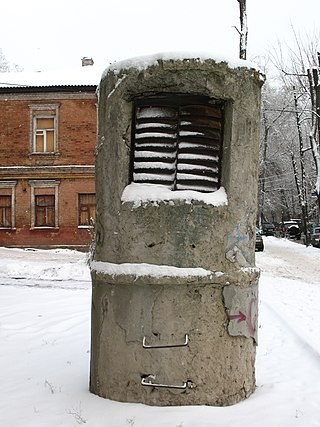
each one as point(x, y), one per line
point(4, 64)
point(275, 179)
point(299, 69)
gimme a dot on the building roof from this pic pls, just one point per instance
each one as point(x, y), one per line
point(88, 76)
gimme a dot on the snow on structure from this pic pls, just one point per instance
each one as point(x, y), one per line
point(143, 269)
point(143, 62)
point(156, 193)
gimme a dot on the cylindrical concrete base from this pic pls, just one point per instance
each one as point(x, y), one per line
point(168, 344)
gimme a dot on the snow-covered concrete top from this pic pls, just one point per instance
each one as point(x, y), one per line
point(135, 273)
point(139, 194)
point(143, 62)
point(144, 269)
point(81, 76)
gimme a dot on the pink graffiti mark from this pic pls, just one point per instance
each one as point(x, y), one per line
point(238, 317)
point(250, 319)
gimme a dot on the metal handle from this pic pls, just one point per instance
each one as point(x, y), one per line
point(148, 382)
point(145, 345)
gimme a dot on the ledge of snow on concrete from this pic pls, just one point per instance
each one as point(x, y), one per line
point(144, 269)
point(139, 194)
point(143, 62)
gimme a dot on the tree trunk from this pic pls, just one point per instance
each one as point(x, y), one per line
point(301, 184)
point(266, 128)
point(313, 77)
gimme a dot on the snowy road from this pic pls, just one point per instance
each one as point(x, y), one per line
point(45, 342)
point(289, 259)
point(290, 287)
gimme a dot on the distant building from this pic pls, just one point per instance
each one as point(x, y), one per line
point(48, 127)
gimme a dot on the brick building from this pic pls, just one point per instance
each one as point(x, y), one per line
point(48, 127)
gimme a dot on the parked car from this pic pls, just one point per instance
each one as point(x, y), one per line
point(315, 237)
point(291, 229)
point(259, 241)
point(268, 229)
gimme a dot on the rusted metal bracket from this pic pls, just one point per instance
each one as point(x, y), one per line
point(145, 345)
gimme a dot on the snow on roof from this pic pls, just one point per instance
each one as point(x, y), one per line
point(81, 76)
point(91, 75)
point(143, 62)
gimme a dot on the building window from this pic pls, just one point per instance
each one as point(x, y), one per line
point(87, 210)
point(44, 134)
point(44, 128)
point(5, 212)
point(44, 203)
point(7, 204)
point(178, 142)
point(45, 211)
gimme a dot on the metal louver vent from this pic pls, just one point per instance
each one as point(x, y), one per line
point(178, 144)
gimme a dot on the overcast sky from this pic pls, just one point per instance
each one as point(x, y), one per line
point(39, 35)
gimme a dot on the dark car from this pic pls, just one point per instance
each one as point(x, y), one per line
point(259, 241)
point(291, 229)
point(268, 229)
point(315, 237)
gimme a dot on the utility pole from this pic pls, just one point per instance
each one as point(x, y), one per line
point(317, 95)
point(243, 29)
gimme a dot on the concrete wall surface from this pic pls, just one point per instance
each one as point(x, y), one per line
point(217, 364)
point(217, 311)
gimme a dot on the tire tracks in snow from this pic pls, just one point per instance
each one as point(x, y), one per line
point(45, 283)
point(296, 334)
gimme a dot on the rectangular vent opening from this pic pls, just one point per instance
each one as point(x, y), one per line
point(178, 143)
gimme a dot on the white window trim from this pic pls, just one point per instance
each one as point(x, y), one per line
point(39, 111)
point(44, 184)
point(12, 185)
point(44, 133)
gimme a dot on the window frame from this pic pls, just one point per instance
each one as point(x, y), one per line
point(90, 225)
point(5, 212)
point(46, 209)
point(178, 104)
point(43, 111)
point(52, 184)
point(9, 185)
point(44, 133)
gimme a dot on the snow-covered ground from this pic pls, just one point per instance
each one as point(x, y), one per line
point(45, 342)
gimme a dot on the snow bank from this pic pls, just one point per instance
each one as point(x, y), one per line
point(34, 264)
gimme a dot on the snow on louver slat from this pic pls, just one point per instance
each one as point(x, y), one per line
point(199, 147)
point(178, 145)
point(155, 145)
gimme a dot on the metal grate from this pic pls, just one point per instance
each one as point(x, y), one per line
point(178, 144)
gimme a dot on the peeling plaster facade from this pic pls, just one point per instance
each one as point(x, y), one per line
point(171, 339)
